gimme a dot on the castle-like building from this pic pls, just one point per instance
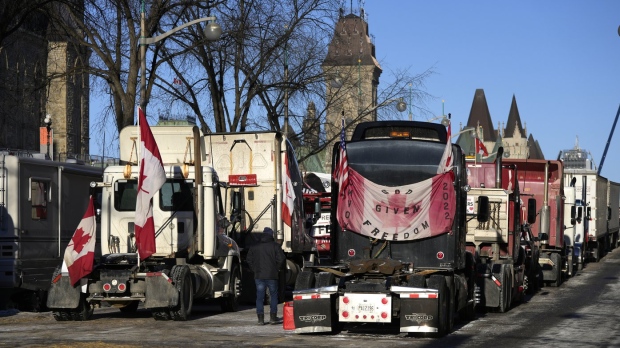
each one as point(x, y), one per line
point(352, 74)
point(512, 135)
point(43, 73)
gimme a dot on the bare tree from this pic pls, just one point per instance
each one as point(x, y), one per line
point(271, 54)
point(238, 81)
point(110, 29)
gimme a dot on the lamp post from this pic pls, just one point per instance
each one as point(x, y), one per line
point(445, 120)
point(212, 32)
point(48, 126)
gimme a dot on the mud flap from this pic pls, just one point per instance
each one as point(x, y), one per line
point(160, 292)
point(62, 295)
point(314, 312)
point(485, 279)
point(419, 309)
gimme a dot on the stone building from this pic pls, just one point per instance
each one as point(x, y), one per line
point(512, 135)
point(352, 72)
point(43, 72)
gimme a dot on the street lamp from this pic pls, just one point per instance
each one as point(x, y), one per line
point(445, 120)
point(48, 126)
point(212, 32)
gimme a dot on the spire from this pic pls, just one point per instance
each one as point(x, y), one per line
point(480, 115)
point(534, 147)
point(514, 121)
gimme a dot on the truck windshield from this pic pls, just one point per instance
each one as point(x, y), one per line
point(176, 195)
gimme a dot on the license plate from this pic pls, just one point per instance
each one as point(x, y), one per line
point(366, 308)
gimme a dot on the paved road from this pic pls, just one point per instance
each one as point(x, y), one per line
point(583, 312)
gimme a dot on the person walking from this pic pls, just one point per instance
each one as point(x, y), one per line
point(265, 259)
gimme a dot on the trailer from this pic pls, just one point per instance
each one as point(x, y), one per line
point(265, 190)
point(506, 250)
point(394, 259)
point(195, 256)
point(39, 199)
point(598, 200)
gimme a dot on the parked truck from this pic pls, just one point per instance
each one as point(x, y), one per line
point(195, 258)
point(599, 198)
point(265, 190)
point(38, 201)
point(404, 260)
point(506, 250)
point(318, 186)
point(543, 180)
point(574, 223)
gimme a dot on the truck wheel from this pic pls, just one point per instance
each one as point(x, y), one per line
point(305, 280)
point(439, 282)
point(182, 279)
point(325, 279)
point(84, 310)
point(572, 269)
point(556, 258)
point(160, 313)
point(468, 313)
point(230, 303)
point(506, 295)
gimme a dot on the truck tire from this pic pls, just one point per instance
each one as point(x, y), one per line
point(84, 311)
point(324, 279)
point(506, 295)
point(438, 282)
point(305, 280)
point(468, 313)
point(182, 279)
point(556, 258)
point(160, 313)
point(230, 303)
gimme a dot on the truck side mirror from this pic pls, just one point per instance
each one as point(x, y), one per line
point(544, 236)
point(531, 210)
point(572, 214)
point(588, 212)
point(483, 209)
point(317, 210)
point(579, 213)
point(236, 206)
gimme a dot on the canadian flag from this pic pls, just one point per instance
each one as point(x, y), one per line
point(341, 172)
point(288, 200)
point(80, 252)
point(152, 178)
point(446, 160)
point(480, 148)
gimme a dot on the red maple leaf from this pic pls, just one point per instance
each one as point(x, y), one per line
point(142, 179)
point(80, 239)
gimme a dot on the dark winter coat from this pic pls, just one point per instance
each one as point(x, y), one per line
point(266, 258)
